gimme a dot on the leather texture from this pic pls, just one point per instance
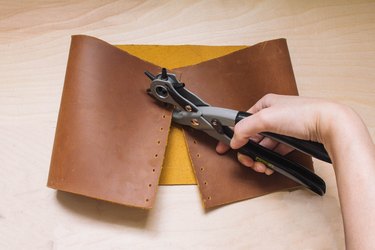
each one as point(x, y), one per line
point(111, 136)
point(177, 168)
point(237, 81)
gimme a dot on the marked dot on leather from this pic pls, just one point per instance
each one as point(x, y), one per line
point(147, 200)
point(149, 185)
point(161, 129)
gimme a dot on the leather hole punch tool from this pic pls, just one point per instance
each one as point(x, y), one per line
point(190, 110)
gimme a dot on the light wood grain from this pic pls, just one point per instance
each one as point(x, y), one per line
point(332, 45)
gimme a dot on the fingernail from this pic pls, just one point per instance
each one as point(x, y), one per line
point(259, 167)
point(268, 171)
point(244, 160)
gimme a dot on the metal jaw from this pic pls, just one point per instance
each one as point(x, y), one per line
point(191, 112)
point(166, 88)
point(210, 120)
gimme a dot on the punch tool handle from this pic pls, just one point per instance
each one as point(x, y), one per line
point(282, 165)
point(315, 149)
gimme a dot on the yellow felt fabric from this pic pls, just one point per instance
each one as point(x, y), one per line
point(177, 168)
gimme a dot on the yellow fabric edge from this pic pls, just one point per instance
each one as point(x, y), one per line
point(177, 167)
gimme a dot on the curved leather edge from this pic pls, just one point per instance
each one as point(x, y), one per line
point(111, 136)
point(237, 81)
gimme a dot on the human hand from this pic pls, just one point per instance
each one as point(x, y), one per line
point(346, 139)
point(288, 115)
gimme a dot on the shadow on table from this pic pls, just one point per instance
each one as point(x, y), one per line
point(104, 211)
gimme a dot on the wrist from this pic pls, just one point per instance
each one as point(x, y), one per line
point(339, 125)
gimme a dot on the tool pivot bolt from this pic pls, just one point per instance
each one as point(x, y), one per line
point(194, 122)
point(188, 108)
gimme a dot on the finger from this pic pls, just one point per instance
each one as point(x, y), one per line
point(259, 167)
point(268, 171)
point(265, 102)
point(249, 127)
point(268, 143)
point(222, 148)
point(283, 149)
point(256, 138)
point(245, 160)
point(253, 124)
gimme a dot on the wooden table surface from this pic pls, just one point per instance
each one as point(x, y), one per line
point(332, 46)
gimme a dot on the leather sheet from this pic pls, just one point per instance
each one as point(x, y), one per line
point(111, 136)
point(237, 81)
point(177, 168)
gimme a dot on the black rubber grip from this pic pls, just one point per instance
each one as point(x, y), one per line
point(282, 165)
point(315, 149)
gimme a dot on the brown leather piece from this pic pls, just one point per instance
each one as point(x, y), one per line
point(237, 81)
point(110, 136)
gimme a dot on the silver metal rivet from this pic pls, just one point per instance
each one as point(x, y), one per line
point(194, 122)
point(188, 108)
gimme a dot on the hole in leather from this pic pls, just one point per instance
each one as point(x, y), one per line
point(205, 183)
point(198, 155)
point(161, 129)
point(153, 170)
point(163, 116)
point(158, 142)
point(195, 142)
point(147, 200)
point(149, 185)
point(202, 169)
point(209, 198)
point(156, 155)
